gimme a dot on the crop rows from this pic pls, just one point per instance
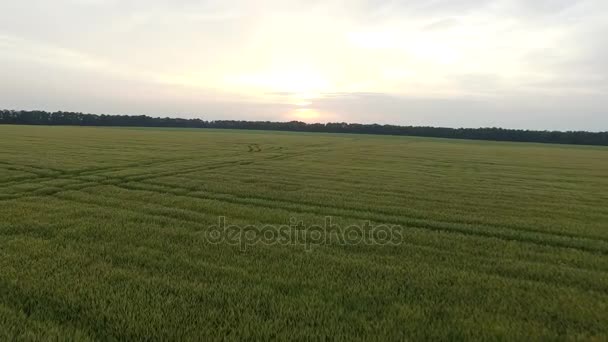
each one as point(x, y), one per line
point(105, 235)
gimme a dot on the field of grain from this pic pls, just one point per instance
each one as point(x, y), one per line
point(103, 235)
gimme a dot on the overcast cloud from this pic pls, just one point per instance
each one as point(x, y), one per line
point(461, 63)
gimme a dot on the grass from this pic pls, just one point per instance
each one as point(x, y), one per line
point(104, 236)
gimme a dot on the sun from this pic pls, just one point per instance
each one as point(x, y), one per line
point(305, 114)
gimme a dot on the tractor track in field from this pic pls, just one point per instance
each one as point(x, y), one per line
point(506, 235)
point(509, 234)
point(375, 211)
point(114, 179)
point(519, 234)
point(172, 214)
point(68, 174)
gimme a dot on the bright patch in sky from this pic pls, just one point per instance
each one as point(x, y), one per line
point(306, 115)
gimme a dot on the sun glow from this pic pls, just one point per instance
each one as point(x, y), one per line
point(298, 85)
point(305, 114)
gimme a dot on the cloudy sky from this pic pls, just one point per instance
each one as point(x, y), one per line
point(540, 64)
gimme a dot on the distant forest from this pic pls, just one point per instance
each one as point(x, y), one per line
point(499, 134)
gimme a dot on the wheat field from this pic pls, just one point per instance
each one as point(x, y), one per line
point(111, 234)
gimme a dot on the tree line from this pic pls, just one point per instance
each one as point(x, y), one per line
point(37, 117)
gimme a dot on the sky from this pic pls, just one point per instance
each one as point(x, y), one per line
point(532, 64)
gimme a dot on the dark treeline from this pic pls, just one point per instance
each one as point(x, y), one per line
point(79, 119)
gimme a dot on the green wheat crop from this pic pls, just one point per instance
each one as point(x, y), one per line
point(103, 236)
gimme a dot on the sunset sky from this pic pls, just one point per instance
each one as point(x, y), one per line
point(539, 64)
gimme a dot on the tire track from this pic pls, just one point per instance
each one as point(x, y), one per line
point(506, 234)
point(169, 214)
